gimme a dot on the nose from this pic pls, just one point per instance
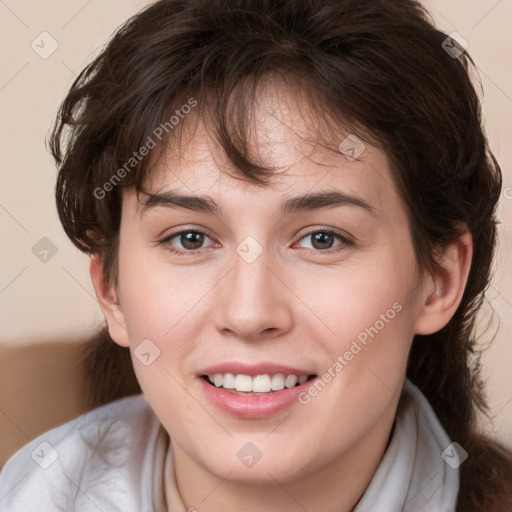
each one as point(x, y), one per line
point(253, 302)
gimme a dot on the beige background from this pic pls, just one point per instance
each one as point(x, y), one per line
point(53, 301)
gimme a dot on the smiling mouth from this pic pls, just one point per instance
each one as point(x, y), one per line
point(265, 384)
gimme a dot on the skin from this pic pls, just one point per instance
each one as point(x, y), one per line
point(295, 304)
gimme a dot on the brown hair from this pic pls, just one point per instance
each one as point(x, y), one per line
point(381, 69)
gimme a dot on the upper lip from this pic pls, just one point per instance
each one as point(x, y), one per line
point(252, 370)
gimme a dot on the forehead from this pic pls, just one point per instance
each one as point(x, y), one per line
point(285, 132)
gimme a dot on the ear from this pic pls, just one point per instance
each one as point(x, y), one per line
point(443, 293)
point(108, 298)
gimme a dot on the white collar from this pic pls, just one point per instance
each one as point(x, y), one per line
point(412, 475)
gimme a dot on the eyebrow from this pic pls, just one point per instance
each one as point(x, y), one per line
point(302, 203)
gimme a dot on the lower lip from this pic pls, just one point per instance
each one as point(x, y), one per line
point(253, 406)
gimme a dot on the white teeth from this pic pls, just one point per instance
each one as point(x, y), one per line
point(243, 383)
point(260, 384)
point(218, 380)
point(278, 382)
point(290, 381)
point(228, 381)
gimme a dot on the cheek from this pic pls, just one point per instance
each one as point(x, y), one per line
point(368, 313)
point(377, 296)
point(155, 296)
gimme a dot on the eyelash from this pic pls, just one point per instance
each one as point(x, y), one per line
point(196, 252)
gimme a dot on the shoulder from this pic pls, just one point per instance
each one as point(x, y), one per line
point(100, 460)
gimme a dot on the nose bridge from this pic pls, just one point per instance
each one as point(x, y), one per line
point(253, 302)
point(250, 276)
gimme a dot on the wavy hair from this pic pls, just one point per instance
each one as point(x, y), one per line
point(380, 68)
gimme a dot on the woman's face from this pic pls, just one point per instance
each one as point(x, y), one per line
point(313, 277)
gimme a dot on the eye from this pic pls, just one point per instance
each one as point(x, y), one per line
point(190, 242)
point(325, 240)
point(187, 241)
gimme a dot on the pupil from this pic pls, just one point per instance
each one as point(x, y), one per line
point(322, 240)
point(192, 240)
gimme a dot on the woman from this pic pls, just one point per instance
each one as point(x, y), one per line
point(290, 212)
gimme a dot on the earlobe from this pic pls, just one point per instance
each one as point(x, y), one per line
point(111, 307)
point(442, 298)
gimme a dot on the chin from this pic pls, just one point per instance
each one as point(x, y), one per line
point(247, 464)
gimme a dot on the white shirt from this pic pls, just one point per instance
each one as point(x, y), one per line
point(118, 458)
